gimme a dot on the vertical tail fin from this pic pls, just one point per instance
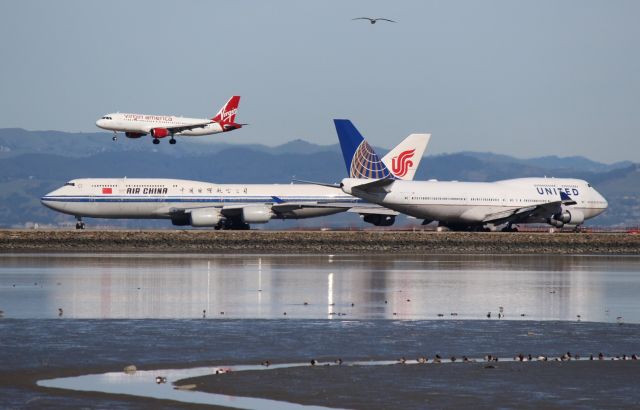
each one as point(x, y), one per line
point(403, 160)
point(227, 114)
point(360, 159)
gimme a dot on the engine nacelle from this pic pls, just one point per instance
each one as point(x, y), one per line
point(205, 217)
point(159, 132)
point(568, 216)
point(256, 214)
point(380, 220)
point(134, 134)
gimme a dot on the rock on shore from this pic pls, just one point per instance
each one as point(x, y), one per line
point(197, 241)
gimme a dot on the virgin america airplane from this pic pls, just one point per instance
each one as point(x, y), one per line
point(161, 126)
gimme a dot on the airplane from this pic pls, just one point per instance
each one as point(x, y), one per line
point(161, 126)
point(478, 206)
point(222, 206)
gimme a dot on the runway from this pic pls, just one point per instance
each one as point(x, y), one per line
point(291, 242)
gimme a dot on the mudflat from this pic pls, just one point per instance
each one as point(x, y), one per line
point(36, 349)
point(592, 384)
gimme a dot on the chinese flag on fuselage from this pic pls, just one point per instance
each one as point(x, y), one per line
point(107, 191)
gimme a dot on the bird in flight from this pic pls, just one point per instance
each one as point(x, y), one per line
point(372, 20)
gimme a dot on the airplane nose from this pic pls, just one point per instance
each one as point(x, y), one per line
point(99, 123)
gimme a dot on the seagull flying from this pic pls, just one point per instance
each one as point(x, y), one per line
point(372, 20)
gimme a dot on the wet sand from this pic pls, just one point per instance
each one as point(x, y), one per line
point(288, 242)
point(598, 384)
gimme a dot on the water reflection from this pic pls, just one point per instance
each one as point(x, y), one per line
point(590, 288)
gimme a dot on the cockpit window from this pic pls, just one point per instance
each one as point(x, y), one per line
point(107, 118)
point(70, 184)
point(589, 185)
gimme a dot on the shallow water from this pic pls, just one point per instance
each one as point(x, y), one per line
point(105, 286)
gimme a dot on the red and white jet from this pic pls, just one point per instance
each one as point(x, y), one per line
point(161, 126)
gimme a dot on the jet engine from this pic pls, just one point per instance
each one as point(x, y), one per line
point(159, 132)
point(134, 134)
point(568, 216)
point(256, 214)
point(204, 217)
point(380, 220)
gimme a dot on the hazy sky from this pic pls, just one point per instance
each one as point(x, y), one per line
point(513, 77)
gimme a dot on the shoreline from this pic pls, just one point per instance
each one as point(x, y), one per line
point(307, 242)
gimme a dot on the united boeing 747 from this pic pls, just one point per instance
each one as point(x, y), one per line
point(471, 205)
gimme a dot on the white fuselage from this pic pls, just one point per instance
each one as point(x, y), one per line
point(156, 198)
point(143, 124)
point(469, 203)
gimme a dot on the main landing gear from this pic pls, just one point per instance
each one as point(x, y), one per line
point(115, 136)
point(79, 224)
point(172, 141)
point(510, 228)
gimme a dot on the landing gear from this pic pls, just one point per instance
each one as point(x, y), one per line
point(510, 228)
point(156, 141)
point(172, 141)
point(235, 224)
point(115, 136)
point(79, 224)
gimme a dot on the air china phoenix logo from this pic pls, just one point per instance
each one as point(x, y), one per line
point(400, 164)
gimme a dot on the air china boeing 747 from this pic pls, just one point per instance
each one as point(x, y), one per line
point(473, 205)
point(161, 126)
point(224, 206)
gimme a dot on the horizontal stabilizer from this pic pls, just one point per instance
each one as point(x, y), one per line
point(317, 183)
point(378, 183)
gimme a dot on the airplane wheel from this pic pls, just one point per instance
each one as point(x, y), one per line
point(80, 225)
point(156, 141)
point(114, 138)
point(172, 141)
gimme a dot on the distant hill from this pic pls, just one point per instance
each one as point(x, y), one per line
point(551, 162)
point(33, 163)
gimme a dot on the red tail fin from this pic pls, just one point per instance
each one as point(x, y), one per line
point(227, 114)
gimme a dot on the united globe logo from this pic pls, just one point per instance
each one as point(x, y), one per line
point(366, 164)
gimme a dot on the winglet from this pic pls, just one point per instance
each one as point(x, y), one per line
point(360, 159)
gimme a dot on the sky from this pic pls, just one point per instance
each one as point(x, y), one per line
point(521, 78)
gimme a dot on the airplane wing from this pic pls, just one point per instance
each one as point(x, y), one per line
point(181, 128)
point(372, 210)
point(545, 210)
point(354, 208)
point(280, 206)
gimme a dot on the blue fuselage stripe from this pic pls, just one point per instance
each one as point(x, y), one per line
point(139, 199)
